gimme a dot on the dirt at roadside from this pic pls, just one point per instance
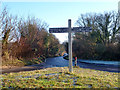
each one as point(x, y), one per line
point(8, 67)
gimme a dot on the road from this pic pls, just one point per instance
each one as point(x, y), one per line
point(60, 62)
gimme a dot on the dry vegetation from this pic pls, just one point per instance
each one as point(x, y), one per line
point(23, 40)
point(59, 77)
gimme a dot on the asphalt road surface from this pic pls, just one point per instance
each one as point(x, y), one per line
point(60, 62)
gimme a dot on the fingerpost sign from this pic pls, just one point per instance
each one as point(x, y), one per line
point(69, 30)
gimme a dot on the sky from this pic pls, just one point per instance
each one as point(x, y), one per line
point(57, 12)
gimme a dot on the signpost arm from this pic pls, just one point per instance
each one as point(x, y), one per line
point(70, 45)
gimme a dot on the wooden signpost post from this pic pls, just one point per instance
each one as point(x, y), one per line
point(69, 30)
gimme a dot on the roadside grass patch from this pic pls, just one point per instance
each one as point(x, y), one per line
point(32, 61)
point(12, 62)
point(60, 77)
point(23, 61)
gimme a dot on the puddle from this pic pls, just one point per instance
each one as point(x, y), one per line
point(89, 85)
point(65, 81)
point(67, 74)
point(20, 76)
point(51, 74)
point(37, 75)
point(32, 76)
point(108, 85)
point(74, 81)
point(76, 85)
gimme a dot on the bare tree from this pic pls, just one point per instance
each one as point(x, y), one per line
point(8, 25)
point(105, 25)
point(115, 27)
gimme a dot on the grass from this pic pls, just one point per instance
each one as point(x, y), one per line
point(23, 61)
point(59, 77)
point(32, 61)
point(12, 62)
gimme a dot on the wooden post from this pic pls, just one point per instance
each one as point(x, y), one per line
point(70, 46)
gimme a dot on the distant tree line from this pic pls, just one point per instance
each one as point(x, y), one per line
point(26, 38)
point(29, 38)
point(103, 43)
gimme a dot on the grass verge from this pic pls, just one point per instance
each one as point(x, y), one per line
point(22, 62)
point(59, 77)
point(32, 61)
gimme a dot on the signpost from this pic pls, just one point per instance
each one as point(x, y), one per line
point(69, 30)
point(81, 29)
point(58, 30)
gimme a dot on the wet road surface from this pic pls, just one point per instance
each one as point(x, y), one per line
point(60, 62)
